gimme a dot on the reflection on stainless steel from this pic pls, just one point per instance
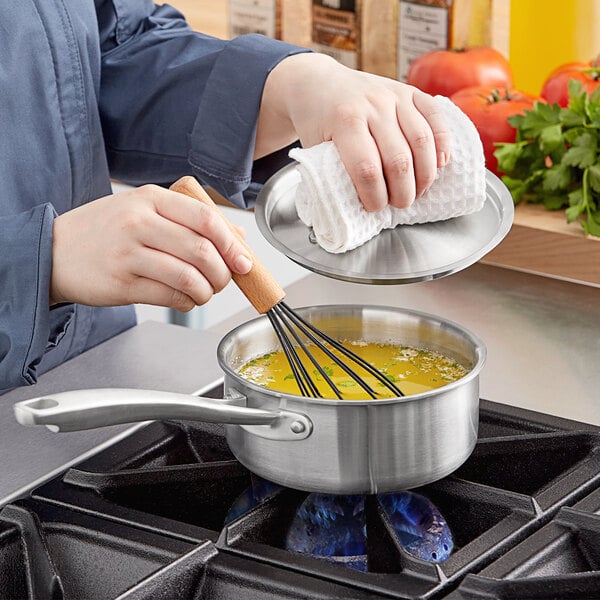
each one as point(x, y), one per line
point(405, 254)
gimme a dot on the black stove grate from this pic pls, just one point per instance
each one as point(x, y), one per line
point(530, 488)
point(52, 553)
point(560, 560)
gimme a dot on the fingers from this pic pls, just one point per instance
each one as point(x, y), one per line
point(146, 245)
point(428, 107)
point(390, 136)
point(392, 145)
point(156, 293)
point(360, 155)
point(205, 222)
point(189, 247)
point(396, 156)
point(200, 252)
point(420, 139)
point(182, 279)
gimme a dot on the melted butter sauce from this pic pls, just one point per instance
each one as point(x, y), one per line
point(413, 370)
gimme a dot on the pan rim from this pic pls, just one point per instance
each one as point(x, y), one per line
point(480, 352)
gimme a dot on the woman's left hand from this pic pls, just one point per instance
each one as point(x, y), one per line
point(391, 137)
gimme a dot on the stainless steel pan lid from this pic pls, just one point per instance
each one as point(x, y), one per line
point(406, 254)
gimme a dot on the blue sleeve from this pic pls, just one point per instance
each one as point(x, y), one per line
point(28, 327)
point(175, 102)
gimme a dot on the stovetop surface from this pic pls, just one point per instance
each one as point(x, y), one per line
point(145, 519)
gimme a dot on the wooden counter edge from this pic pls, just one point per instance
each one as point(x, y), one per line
point(542, 242)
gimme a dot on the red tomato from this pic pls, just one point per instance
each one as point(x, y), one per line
point(556, 86)
point(445, 72)
point(489, 109)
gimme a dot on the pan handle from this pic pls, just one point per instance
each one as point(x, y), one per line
point(87, 409)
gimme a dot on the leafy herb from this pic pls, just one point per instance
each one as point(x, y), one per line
point(346, 384)
point(327, 370)
point(390, 377)
point(555, 160)
point(289, 376)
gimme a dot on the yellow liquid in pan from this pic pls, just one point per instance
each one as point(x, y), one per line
point(413, 370)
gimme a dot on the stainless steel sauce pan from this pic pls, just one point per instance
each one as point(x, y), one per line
point(333, 446)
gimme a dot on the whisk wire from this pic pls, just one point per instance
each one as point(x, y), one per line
point(305, 383)
point(357, 359)
point(283, 311)
point(298, 322)
point(277, 310)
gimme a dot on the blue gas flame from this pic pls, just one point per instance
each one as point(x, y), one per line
point(334, 527)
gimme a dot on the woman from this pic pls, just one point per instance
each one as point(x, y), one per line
point(124, 89)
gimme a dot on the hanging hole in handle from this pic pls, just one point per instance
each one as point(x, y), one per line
point(42, 404)
point(30, 412)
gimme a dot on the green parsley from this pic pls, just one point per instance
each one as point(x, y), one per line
point(327, 370)
point(555, 159)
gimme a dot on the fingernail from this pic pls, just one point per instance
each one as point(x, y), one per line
point(441, 159)
point(242, 264)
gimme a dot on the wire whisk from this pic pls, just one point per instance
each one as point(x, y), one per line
point(266, 295)
point(283, 318)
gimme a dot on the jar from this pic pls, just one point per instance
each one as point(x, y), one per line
point(426, 25)
point(545, 34)
point(288, 20)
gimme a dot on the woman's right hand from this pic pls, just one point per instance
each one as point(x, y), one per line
point(147, 245)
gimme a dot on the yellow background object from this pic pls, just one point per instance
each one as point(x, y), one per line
point(547, 33)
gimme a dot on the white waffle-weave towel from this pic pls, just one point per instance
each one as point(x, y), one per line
point(326, 198)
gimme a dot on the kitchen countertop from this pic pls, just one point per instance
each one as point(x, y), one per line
point(542, 336)
point(151, 355)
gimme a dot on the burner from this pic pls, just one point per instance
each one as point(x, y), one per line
point(419, 525)
point(334, 527)
point(331, 527)
point(259, 491)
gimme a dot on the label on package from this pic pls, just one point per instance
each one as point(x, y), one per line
point(421, 29)
point(253, 16)
point(335, 30)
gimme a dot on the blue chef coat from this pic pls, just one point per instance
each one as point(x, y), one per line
point(92, 90)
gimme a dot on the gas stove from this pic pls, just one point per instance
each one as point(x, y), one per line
point(147, 519)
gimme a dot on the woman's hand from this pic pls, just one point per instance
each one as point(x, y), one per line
point(391, 137)
point(147, 245)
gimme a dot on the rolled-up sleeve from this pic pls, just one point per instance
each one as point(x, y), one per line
point(28, 327)
point(174, 101)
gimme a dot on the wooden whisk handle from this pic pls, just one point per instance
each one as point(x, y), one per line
point(258, 285)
